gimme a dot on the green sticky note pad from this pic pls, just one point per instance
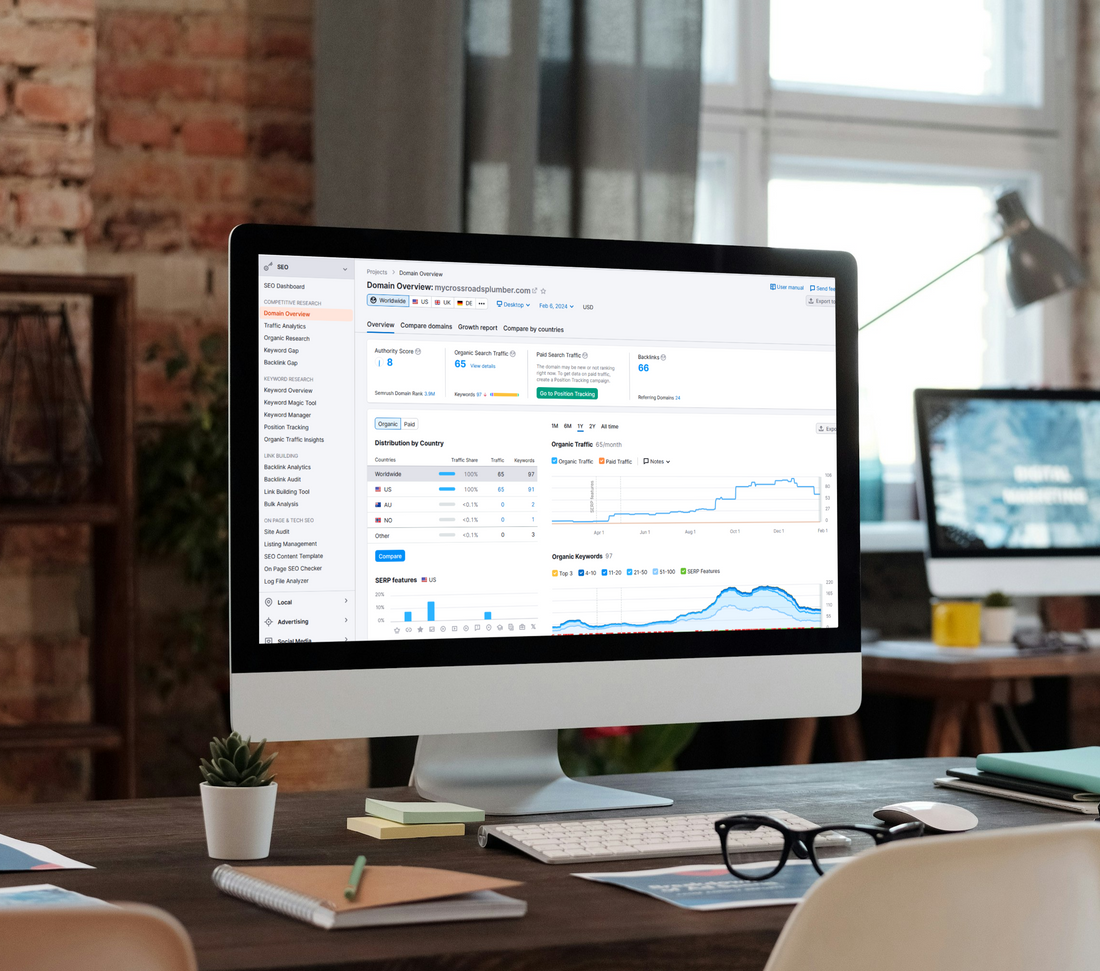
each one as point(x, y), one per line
point(423, 812)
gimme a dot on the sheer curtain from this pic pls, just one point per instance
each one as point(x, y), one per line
point(553, 117)
point(582, 118)
point(388, 113)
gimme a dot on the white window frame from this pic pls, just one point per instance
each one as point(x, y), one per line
point(768, 129)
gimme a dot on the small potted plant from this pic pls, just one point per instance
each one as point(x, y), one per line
point(998, 619)
point(238, 799)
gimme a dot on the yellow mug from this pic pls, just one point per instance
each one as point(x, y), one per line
point(957, 623)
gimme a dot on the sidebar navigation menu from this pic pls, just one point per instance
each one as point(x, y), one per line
point(307, 431)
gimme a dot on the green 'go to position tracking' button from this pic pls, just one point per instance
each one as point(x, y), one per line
point(589, 394)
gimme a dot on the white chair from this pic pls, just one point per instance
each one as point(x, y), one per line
point(126, 937)
point(1005, 900)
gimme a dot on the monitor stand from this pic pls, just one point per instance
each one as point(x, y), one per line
point(510, 774)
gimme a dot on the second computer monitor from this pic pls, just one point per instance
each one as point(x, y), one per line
point(1011, 490)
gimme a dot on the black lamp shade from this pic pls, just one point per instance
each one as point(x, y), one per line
point(1038, 265)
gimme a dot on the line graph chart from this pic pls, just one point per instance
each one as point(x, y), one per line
point(621, 610)
point(640, 499)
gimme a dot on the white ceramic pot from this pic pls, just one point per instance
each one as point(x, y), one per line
point(238, 821)
point(998, 624)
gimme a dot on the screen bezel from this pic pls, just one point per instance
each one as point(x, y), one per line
point(921, 396)
point(248, 242)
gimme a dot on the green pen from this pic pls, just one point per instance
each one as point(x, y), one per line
point(356, 875)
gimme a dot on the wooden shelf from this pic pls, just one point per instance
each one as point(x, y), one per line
point(96, 737)
point(110, 735)
point(96, 513)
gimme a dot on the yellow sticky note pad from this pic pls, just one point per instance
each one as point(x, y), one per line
point(387, 829)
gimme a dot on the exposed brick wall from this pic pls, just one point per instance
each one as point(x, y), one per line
point(47, 60)
point(134, 134)
point(47, 111)
point(204, 112)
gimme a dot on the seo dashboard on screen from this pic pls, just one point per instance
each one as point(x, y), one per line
point(470, 450)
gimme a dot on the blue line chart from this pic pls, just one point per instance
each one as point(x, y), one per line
point(731, 609)
point(804, 492)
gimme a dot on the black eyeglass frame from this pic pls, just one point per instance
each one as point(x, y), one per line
point(801, 841)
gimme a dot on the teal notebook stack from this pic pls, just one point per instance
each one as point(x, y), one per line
point(1071, 768)
point(1068, 779)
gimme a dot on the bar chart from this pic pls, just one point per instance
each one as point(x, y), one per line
point(430, 611)
point(455, 612)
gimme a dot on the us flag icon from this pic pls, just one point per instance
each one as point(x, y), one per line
point(423, 579)
point(377, 488)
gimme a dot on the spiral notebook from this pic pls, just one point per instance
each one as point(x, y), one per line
point(387, 894)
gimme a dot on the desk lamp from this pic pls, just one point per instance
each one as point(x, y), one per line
point(1038, 265)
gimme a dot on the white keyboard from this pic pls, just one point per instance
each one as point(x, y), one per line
point(648, 837)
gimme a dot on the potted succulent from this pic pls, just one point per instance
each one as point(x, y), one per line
point(238, 799)
point(998, 619)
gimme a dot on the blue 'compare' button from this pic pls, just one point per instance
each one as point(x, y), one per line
point(389, 556)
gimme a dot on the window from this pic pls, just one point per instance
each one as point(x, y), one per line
point(953, 333)
point(941, 50)
point(715, 187)
point(720, 42)
point(889, 130)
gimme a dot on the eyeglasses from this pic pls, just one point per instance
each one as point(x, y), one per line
point(804, 843)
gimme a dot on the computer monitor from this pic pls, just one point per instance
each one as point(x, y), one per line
point(486, 487)
point(1010, 491)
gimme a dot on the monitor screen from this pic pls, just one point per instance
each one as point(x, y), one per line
point(463, 461)
point(1011, 471)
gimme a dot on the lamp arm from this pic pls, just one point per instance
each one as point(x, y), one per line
point(988, 246)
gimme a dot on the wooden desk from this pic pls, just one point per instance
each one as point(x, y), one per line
point(964, 684)
point(153, 851)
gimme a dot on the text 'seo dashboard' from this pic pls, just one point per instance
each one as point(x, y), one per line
point(471, 450)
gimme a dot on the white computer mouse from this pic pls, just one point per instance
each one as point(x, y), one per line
point(939, 816)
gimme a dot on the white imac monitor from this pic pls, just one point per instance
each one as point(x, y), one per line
point(487, 487)
point(1011, 491)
